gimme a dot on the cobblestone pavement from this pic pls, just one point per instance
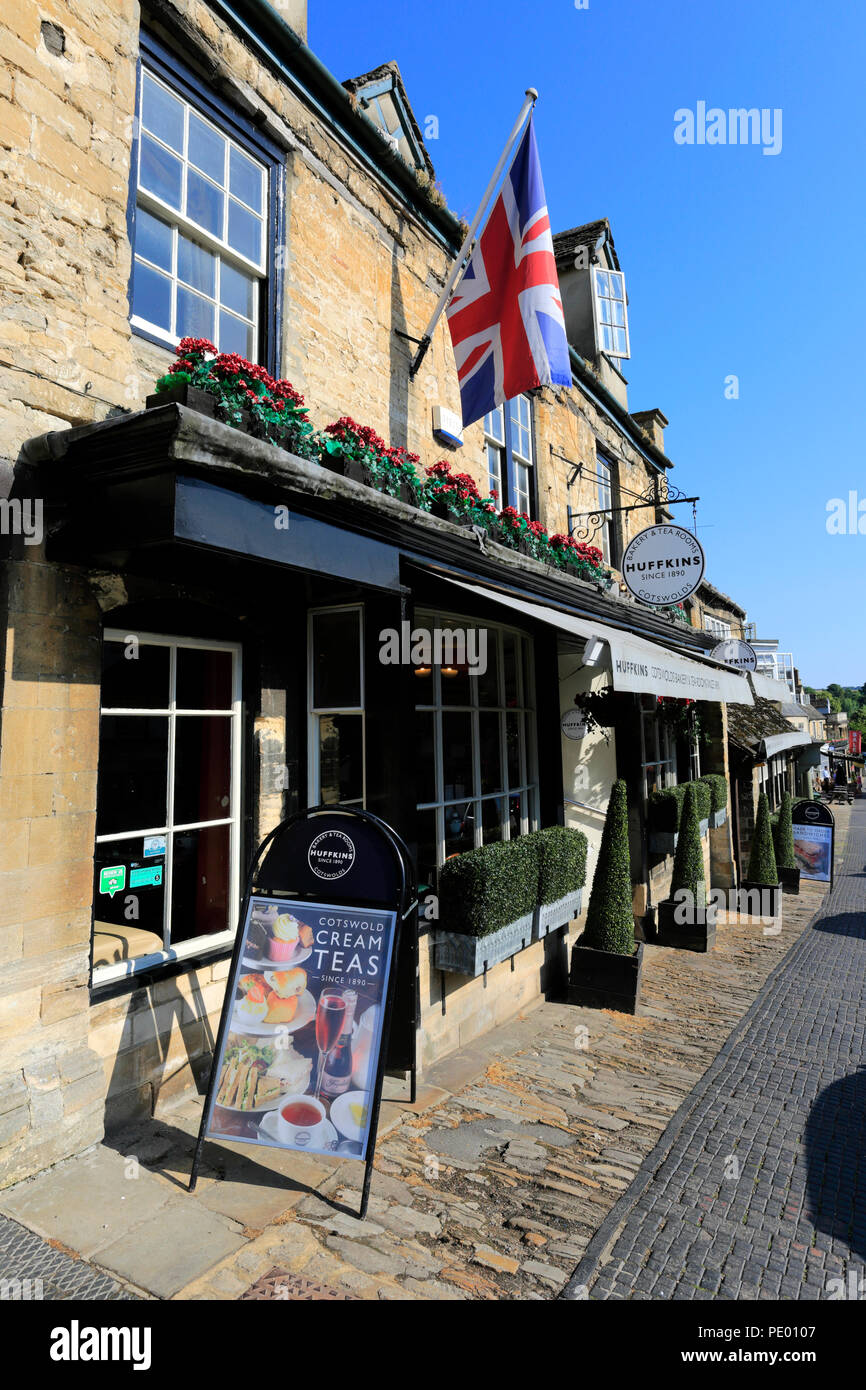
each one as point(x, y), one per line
point(491, 1187)
point(758, 1188)
point(32, 1269)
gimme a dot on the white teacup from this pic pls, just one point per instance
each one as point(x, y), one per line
point(301, 1135)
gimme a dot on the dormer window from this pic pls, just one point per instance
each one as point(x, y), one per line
point(610, 312)
point(384, 101)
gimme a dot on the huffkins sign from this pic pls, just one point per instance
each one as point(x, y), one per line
point(733, 652)
point(663, 565)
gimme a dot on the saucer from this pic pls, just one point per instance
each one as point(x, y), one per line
point(268, 1127)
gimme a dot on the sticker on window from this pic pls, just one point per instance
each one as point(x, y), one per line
point(153, 844)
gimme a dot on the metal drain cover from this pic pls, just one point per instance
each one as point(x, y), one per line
point(292, 1288)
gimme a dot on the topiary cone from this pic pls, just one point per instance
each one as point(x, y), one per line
point(609, 920)
point(762, 860)
point(689, 872)
point(784, 836)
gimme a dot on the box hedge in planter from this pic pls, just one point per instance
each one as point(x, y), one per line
point(664, 812)
point(606, 963)
point(783, 844)
point(763, 874)
point(718, 797)
point(487, 901)
point(684, 919)
point(562, 875)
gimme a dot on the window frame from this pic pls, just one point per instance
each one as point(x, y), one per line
point(607, 484)
point(316, 712)
point(216, 941)
point(510, 459)
point(529, 786)
point(164, 65)
point(598, 323)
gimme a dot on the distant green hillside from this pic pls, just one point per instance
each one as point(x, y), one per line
point(850, 698)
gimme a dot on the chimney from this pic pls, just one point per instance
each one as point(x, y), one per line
point(294, 12)
point(654, 422)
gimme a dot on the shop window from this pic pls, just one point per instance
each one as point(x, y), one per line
point(336, 707)
point(203, 198)
point(475, 764)
point(166, 865)
point(510, 454)
point(658, 748)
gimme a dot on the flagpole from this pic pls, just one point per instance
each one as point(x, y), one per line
point(531, 98)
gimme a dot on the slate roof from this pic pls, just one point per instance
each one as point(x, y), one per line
point(749, 724)
point(566, 244)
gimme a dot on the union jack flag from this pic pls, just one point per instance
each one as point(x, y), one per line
point(505, 315)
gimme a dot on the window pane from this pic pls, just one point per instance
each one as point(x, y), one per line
point(152, 239)
point(134, 676)
point(133, 772)
point(460, 828)
point(601, 282)
point(205, 203)
point(425, 767)
point(206, 148)
point(456, 687)
point(457, 755)
point(245, 232)
point(200, 882)
point(237, 291)
point(118, 936)
point(341, 764)
point(151, 296)
point(160, 172)
point(494, 424)
point(196, 266)
point(491, 756)
point(512, 745)
point(236, 336)
point(427, 851)
point(492, 818)
point(202, 768)
point(245, 179)
point(195, 316)
point(337, 660)
point(512, 695)
point(204, 679)
point(162, 113)
point(487, 680)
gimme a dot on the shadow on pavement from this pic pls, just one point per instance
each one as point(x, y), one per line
point(835, 1138)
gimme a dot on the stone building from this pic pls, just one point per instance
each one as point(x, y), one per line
point(179, 671)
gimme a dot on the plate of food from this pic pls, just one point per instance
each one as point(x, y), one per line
point(276, 939)
point(273, 1000)
point(349, 1113)
point(256, 1076)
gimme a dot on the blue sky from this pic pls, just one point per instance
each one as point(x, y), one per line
point(736, 262)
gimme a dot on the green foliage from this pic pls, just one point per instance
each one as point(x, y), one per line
point(484, 890)
point(609, 922)
point(762, 860)
point(665, 807)
point(563, 861)
point(783, 835)
point(689, 872)
point(718, 790)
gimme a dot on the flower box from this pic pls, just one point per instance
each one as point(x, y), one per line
point(346, 467)
point(604, 979)
point(184, 394)
point(473, 955)
point(718, 818)
point(550, 916)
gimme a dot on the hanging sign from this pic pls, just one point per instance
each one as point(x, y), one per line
point(300, 1056)
point(573, 724)
point(663, 565)
point(814, 840)
point(855, 742)
point(741, 655)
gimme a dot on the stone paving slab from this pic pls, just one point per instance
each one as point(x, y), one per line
point(757, 1190)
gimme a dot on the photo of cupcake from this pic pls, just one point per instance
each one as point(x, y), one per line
point(285, 937)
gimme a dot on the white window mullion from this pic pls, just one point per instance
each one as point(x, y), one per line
point(169, 805)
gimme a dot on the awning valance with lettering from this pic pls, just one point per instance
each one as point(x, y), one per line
point(638, 665)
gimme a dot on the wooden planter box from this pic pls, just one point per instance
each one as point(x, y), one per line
point(790, 880)
point(773, 890)
point(346, 467)
point(473, 955)
point(699, 935)
point(550, 916)
point(604, 980)
point(184, 394)
point(718, 818)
